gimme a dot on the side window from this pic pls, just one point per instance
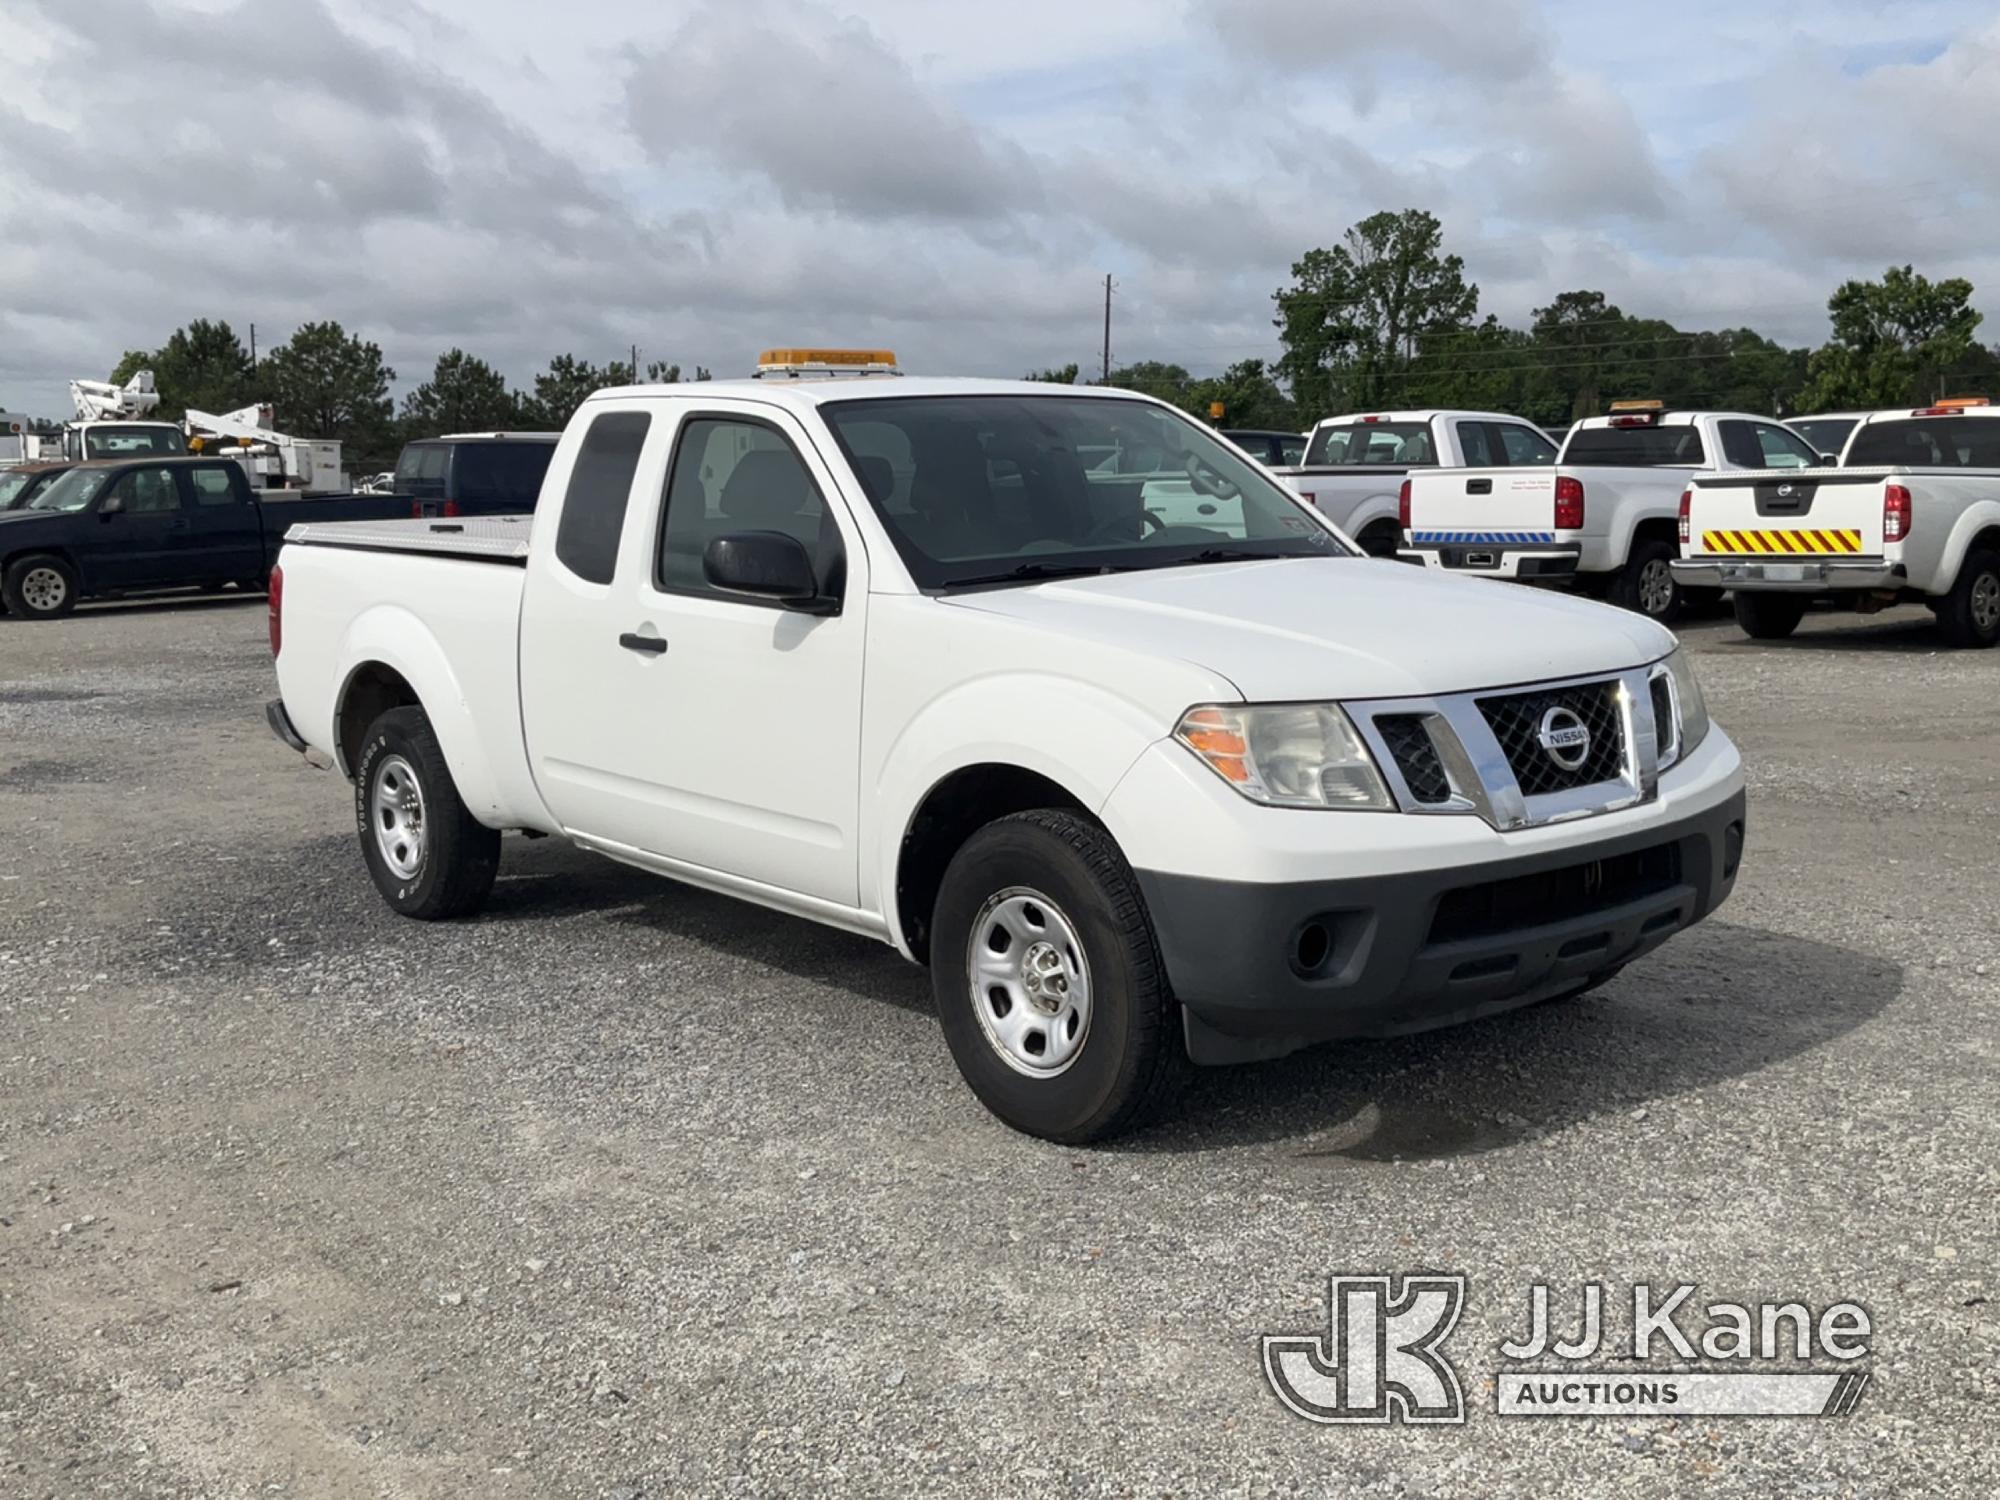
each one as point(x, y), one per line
point(1292, 451)
point(593, 512)
point(212, 487)
point(737, 475)
point(1783, 449)
point(149, 492)
point(1524, 446)
point(1740, 446)
point(1472, 443)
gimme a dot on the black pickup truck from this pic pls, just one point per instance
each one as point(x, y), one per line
point(143, 524)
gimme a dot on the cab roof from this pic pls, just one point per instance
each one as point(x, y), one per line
point(811, 390)
point(1424, 414)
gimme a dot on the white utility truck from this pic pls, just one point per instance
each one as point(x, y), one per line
point(1355, 465)
point(1603, 517)
point(900, 656)
point(1911, 513)
point(107, 421)
point(274, 460)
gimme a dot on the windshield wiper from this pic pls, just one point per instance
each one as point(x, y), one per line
point(1032, 572)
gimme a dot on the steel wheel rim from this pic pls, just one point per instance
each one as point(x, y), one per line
point(1986, 601)
point(1029, 979)
point(396, 813)
point(1656, 587)
point(44, 589)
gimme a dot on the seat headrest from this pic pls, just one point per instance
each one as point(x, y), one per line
point(877, 477)
point(767, 487)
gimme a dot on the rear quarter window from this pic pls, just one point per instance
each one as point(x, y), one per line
point(506, 474)
point(593, 513)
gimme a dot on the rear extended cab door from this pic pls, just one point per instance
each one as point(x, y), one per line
point(713, 737)
point(226, 527)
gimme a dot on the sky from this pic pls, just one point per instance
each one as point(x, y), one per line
point(707, 178)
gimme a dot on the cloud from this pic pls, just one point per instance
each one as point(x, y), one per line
point(1500, 40)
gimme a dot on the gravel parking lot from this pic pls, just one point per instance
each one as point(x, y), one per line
point(628, 1190)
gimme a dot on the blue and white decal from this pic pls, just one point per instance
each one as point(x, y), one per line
point(1453, 538)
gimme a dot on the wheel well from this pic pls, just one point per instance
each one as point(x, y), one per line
point(1987, 541)
point(58, 553)
point(954, 810)
point(1659, 529)
point(371, 692)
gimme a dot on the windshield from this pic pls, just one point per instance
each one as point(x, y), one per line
point(119, 442)
point(995, 489)
point(1826, 434)
point(72, 491)
point(1398, 444)
point(1954, 442)
point(12, 483)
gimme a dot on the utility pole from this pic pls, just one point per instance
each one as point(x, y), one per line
point(253, 349)
point(1107, 329)
point(635, 364)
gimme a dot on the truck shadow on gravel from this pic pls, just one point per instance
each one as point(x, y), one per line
point(1724, 1005)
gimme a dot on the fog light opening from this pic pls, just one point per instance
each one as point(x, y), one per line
point(1312, 948)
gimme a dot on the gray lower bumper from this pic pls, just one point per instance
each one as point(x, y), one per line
point(1266, 969)
point(1802, 575)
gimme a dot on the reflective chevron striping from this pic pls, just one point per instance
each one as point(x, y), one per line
point(1781, 543)
point(1459, 538)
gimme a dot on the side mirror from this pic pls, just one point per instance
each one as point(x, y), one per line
point(1830, 460)
point(766, 565)
point(112, 505)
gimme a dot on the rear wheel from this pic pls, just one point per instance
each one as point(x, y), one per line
point(429, 857)
point(1646, 583)
point(1768, 617)
point(1050, 988)
point(1381, 539)
point(1970, 614)
point(39, 587)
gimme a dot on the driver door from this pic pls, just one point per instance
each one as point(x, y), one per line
point(141, 531)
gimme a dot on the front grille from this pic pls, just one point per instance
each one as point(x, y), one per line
point(1415, 756)
point(1526, 901)
point(1516, 721)
point(1663, 716)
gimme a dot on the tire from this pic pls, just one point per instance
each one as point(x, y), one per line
point(1646, 586)
point(1380, 540)
point(440, 863)
point(39, 587)
point(1768, 617)
point(1055, 886)
point(1969, 615)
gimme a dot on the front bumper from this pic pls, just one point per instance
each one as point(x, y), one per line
point(1263, 969)
point(1494, 560)
point(1796, 575)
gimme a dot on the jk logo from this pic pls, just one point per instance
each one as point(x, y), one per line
point(1379, 1359)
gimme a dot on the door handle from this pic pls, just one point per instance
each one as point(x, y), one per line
point(1478, 486)
point(652, 645)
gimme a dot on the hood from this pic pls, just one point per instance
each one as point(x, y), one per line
point(1324, 628)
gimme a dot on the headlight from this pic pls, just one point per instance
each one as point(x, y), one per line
point(1688, 700)
point(1286, 754)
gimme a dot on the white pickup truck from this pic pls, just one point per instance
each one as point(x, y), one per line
point(1355, 465)
point(1912, 512)
point(1603, 518)
point(896, 655)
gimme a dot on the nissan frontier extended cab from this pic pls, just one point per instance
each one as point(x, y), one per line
point(907, 657)
point(1910, 514)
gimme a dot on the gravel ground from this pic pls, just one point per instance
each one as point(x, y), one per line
point(627, 1190)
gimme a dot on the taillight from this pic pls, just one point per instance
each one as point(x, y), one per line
point(1569, 503)
point(1310, 497)
point(1687, 505)
point(276, 606)
point(450, 508)
point(1403, 506)
point(1895, 513)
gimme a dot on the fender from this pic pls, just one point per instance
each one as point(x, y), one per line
point(1074, 733)
point(1979, 516)
point(1357, 516)
point(1626, 518)
point(398, 639)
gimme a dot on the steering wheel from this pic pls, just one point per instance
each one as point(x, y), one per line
point(1147, 520)
point(1206, 482)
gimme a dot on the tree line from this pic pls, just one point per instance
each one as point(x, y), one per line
point(1383, 319)
point(327, 383)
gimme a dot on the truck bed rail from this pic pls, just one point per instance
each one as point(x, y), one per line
point(480, 538)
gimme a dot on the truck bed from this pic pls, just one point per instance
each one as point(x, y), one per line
point(499, 539)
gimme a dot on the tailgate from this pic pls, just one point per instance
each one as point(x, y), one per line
point(1787, 512)
point(1482, 505)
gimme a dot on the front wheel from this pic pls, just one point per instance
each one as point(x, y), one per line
point(1768, 617)
point(1970, 614)
point(1646, 583)
point(1050, 988)
point(429, 857)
